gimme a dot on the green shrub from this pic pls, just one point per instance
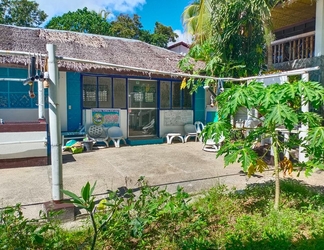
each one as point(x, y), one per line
point(152, 218)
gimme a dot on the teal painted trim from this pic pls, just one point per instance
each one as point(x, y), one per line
point(145, 141)
point(199, 105)
point(211, 116)
point(74, 95)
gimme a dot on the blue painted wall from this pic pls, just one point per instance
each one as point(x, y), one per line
point(15, 94)
point(199, 105)
point(11, 91)
point(74, 95)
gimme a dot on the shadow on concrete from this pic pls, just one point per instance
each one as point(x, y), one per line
point(68, 158)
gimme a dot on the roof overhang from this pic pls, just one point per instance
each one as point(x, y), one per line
point(292, 12)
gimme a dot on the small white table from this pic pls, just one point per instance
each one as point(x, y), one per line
point(171, 136)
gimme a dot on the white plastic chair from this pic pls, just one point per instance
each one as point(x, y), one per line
point(199, 128)
point(148, 127)
point(97, 134)
point(211, 146)
point(115, 134)
point(190, 131)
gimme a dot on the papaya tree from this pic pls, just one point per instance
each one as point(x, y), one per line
point(278, 106)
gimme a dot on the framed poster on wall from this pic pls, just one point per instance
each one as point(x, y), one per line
point(106, 117)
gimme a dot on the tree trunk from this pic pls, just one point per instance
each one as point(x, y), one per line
point(276, 172)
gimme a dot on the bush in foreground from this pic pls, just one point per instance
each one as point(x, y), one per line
point(152, 218)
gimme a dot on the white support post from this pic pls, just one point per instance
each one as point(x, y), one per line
point(286, 139)
point(319, 28)
point(249, 114)
point(304, 128)
point(41, 101)
point(54, 124)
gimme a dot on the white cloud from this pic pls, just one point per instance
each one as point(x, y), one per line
point(59, 7)
point(182, 37)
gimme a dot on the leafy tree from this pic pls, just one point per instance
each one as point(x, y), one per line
point(279, 106)
point(84, 21)
point(235, 46)
point(161, 37)
point(21, 13)
point(126, 26)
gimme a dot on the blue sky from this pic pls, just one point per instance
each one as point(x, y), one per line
point(167, 12)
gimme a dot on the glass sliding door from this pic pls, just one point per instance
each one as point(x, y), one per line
point(142, 108)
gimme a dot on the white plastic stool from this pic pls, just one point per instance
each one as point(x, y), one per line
point(170, 137)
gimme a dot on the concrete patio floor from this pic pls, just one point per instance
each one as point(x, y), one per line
point(178, 164)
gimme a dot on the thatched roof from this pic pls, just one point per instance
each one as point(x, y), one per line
point(292, 12)
point(107, 49)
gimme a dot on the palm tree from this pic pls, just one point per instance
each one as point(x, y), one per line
point(223, 19)
point(196, 19)
point(104, 14)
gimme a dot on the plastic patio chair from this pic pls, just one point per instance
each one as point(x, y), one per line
point(190, 131)
point(115, 134)
point(199, 128)
point(148, 127)
point(97, 134)
point(211, 146)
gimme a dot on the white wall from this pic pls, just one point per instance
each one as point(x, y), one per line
point(31, 115)
point(182, 117)
point(20, 115)
point(242, 113)
point(23, 144)
point(173, 121)
point(180, 49)
point(319, 28)
point(87, 119)
point(273, 80)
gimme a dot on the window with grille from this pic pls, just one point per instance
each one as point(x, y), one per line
point(103, 92)
point(172, 97)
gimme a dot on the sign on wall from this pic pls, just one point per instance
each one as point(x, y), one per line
point(177, 117)
point(105, 117)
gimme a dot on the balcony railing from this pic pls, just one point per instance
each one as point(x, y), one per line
point(292, 48)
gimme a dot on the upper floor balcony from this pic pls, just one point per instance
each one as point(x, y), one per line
point(292, 48)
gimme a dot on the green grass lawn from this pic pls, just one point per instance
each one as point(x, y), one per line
point(216, 219)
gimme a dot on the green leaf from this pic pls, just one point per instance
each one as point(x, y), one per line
point(311, 92)
point(247, 157)
point(269, 96)
point(289, 90)
point(216, 130)
point(310, 118)
point(255, 135)
point(85, 192)
point(281, 114)
point(93, 188)
point(315, 137)
point(75, 198)
point(314, 145)
point(231, 157)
